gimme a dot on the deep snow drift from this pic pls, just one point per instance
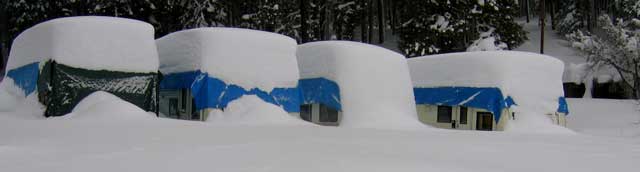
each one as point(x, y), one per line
point(251, 110)
point(158, 144)
point(605, 117)
point(107, 107)
point(90, 42)
point(247, 58)
point(533, 81)
point(375, 87)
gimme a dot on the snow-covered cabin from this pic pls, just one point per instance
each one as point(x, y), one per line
point(355, 85)
point(207, 68)
point(64, 60)
point(487, 90)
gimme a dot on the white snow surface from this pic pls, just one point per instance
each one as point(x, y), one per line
point(375, 87)
point(251, 110)
point(107, 107)
point(247, 58)
point(175, 145)
point(534, 81)
point(90, 42)
point(605, 117)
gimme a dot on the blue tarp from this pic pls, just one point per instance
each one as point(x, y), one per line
point(26, 77)
point(210, 92)
point(562, 106)
point(490, 99)
point(320, 90)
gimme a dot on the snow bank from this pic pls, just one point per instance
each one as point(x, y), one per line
point(605, 117)
point(251, 110)
point(104, 106)
point(247, 58)
point(15, 104)
point(90, 42)
point(533, 81)
point(375, 87)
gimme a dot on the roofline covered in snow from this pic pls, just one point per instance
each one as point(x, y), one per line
point(63, 37)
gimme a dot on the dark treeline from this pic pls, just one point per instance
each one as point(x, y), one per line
point(420, 27)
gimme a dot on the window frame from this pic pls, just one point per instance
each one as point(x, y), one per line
point(439, 115)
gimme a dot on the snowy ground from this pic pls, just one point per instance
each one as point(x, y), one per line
point(605, 117)
point(152, 144)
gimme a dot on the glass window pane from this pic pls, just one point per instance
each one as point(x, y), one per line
point(328, 114)
point(463, 115)
point(444, 114)
point(305, 112)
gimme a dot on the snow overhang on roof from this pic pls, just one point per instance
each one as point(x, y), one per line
point(531, 80)
point(89, 42)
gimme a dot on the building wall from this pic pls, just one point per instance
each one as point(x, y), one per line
point(427, 114)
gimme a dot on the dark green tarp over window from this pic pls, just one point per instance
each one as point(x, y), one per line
point(61, 87)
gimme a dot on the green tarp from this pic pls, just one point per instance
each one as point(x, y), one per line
point(61, 87)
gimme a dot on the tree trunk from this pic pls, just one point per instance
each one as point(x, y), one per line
point(370, 20)
point(542, 22)
point(4, 38)
point(553, 17)
point(527, 9)
point(363, 21)
point(380, 22)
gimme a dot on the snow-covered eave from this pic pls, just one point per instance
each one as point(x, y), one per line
point(90, 42)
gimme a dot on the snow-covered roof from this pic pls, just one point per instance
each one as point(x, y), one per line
point(533, 81)
point(247, 58)
point(91, 42)
point(375, 87)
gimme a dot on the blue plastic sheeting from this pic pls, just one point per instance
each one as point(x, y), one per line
point(320, 90)
point(210, 92)
point(490, 99)
point(26, 77)
point(562, 106)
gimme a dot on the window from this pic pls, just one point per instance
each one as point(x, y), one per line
point(194, 113)
point(173, 107)
point(444, 114)
point(484, 121)
point(305, 112)
point(463, 115)
point(328, 114)
point(183, 98)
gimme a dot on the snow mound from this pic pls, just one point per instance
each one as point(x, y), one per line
point(251, 110)
point(247, 58)
point(14, 103)
point(605, 117)
point(534, 81)
point(91, 42)
point(375, 87)
point(104, 106)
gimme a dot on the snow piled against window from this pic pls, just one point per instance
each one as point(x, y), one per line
point(534, 81)
point(90, 42)
point(375, 87)
point(251, 110)
point(247, 58)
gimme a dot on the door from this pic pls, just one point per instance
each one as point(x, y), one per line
point(484, 121)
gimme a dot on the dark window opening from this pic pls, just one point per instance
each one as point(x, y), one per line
point(194, 112)
point(484, 121)
point(173, 107)
point(305, 112)
point(328, 114)
point(444, 114)
point(183, 97)
point(463, 115)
